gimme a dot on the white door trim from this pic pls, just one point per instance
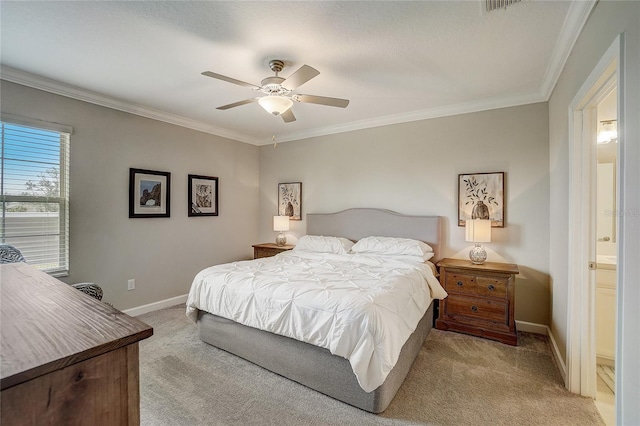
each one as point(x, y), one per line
point(581, 364)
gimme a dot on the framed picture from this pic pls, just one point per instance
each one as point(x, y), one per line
point(290, 200)
point(481, 196)
point(149, 193)
point(203, 195)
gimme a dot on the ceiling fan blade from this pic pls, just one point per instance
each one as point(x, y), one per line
point(300, 77)
point(322, 100)
point(230, 80)
point(235, 104)
point(288, 116)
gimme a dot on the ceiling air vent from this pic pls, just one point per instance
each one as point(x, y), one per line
point(499, 4)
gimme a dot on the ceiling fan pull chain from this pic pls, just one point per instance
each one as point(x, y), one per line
point(273, 137)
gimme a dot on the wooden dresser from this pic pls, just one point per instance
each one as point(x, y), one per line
point(480, 300)
point(66, 358)
point(268, 249)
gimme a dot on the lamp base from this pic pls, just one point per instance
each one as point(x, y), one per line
point(478, 255)
point(281, 239)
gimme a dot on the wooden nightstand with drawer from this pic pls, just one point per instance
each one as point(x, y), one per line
point(268, 249)
point(481, 299)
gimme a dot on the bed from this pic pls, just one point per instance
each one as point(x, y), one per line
point(316, 366)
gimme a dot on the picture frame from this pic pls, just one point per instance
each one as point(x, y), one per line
point(203, 195)
point(481, 196)
point(290, 200)
point(149, 193)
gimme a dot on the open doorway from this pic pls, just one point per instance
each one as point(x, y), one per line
point(606, 254)
point(585, 343)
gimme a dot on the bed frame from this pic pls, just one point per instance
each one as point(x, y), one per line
point(316, 367)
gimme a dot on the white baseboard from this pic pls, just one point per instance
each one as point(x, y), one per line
point(605, 360)
point(531, 327)
point(558, 357)
point(134, 312)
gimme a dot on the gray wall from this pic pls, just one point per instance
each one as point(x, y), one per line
point(413, 168)
point(608, 19)
point(162, 254)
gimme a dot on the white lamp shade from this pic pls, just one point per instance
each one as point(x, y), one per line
point(275, 105)
point(281, 223)
point(478, 231)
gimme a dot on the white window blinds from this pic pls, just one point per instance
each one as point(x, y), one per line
point(34, 197)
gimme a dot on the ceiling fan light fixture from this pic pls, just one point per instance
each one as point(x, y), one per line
point(279, 97)
point(275, 105)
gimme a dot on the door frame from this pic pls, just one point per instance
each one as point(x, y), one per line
point(581, 352)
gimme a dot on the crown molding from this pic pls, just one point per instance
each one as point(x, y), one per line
point(37, 82)
point(446, 111)
point(42, 83)
point(575, 20)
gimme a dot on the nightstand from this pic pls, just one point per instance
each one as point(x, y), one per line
point(268, 249)
point(480, 301)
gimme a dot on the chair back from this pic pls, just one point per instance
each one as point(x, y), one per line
point(10, 254)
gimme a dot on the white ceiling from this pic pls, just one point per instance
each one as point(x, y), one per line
point(395, 61)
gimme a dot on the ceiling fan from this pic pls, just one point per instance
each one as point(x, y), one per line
point(279, 99)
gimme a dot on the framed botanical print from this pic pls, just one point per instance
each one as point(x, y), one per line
point(481, 196)
point(149, 193)
point(203, 195)
point(290, 200)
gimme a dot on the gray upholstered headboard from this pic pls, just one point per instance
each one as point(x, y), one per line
point(359, 223)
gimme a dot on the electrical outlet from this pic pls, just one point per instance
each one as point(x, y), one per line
point(131, 284)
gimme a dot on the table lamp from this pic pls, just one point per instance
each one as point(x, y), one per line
point(478, 231)
point(281, 223)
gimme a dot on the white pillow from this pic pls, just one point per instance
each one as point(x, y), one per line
point(393, 246)
point(320, 244)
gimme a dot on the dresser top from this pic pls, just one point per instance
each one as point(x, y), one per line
point(273, 246)
point(508, 268)
point(48, 325)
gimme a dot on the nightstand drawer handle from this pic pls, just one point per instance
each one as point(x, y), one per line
point(474, 308)
point(491, 287)
point(459, 283)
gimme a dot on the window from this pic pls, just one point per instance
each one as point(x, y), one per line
point(34, 193)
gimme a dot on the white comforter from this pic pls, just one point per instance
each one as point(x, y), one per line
point(360, 307)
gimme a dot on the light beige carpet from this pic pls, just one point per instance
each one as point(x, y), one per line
point(456, 380)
